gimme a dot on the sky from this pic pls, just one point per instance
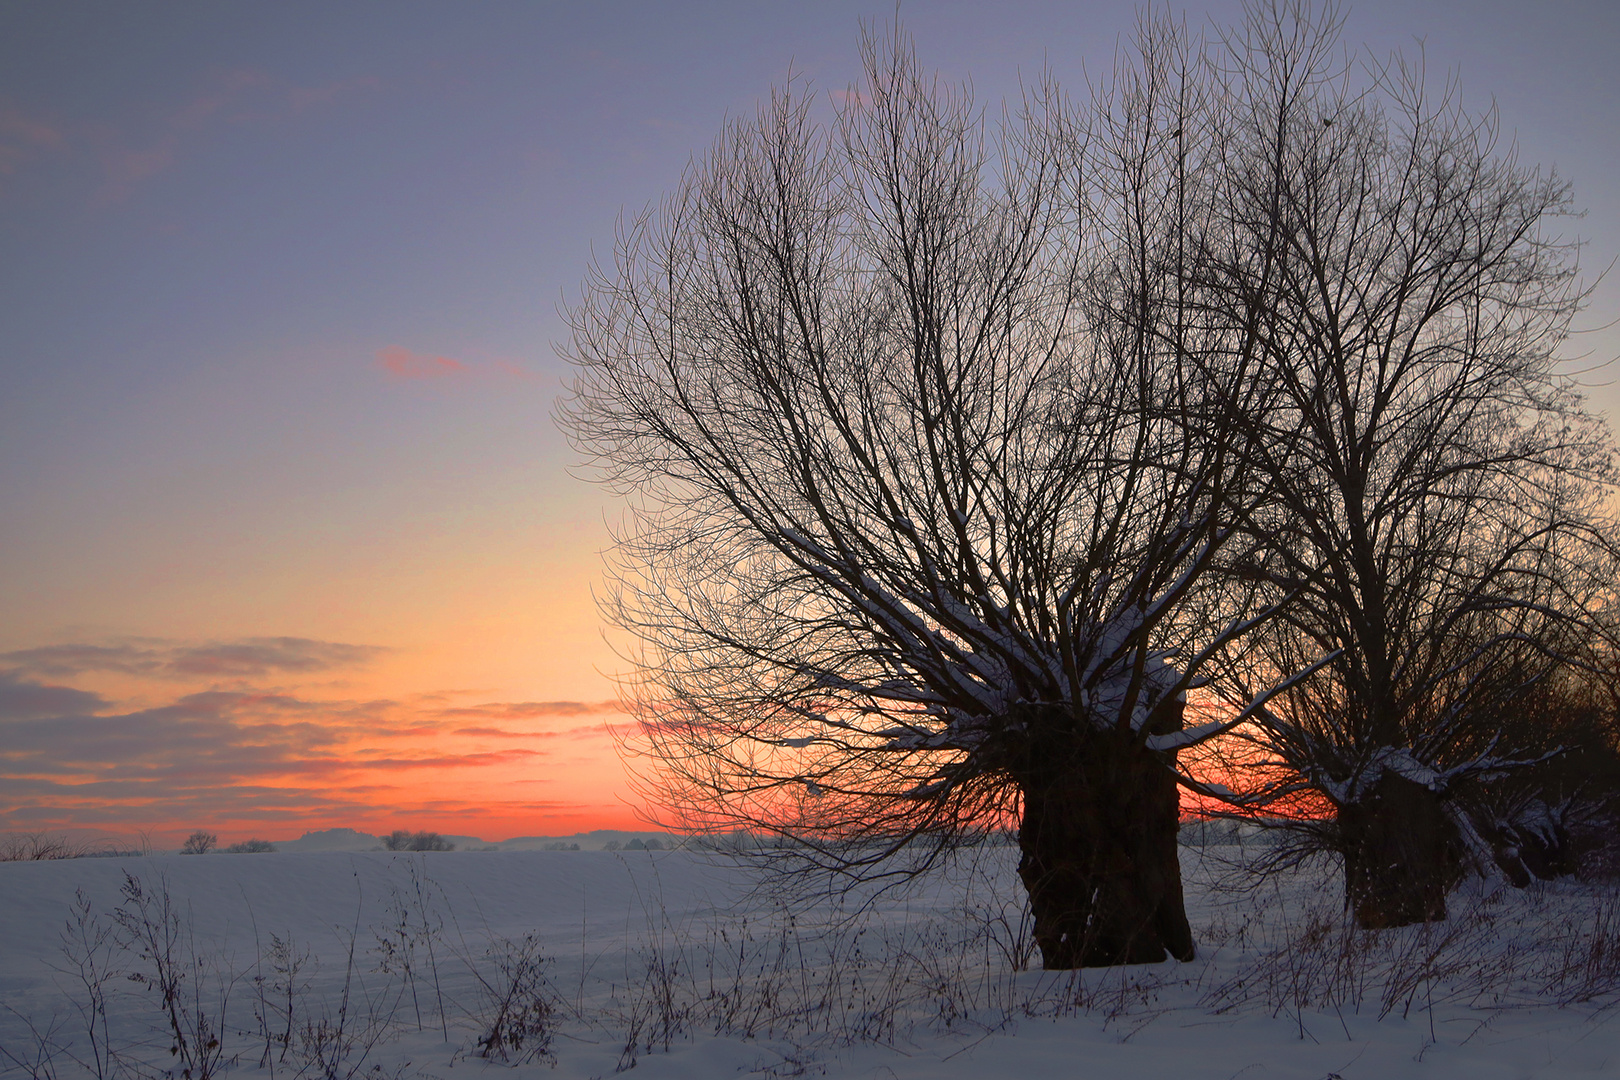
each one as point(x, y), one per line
point(288, 537)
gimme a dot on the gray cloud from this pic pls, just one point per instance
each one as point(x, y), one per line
point(243, 658)
point(21, 699)
point(66, 660)
point(261, 656)
point(221, 737)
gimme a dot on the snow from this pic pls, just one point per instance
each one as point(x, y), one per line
point(1401, 762)
point(918, 987)
point(1390, 759)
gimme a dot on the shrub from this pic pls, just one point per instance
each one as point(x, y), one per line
point(251, 847)
point(518, 1019)
point(199, 843)
point(28, 847)
point(189, 989)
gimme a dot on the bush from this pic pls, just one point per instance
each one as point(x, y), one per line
point(405, 840)
point(251, 847)
point(199, 843)
point(31, 846)
point(1557, 816)
point(518, 1019)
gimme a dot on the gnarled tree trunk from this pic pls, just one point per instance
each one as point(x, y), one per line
point(1099, 852)
point(1402, 854)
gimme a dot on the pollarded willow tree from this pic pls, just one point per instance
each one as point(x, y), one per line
point(930, 455)
point(1435, 490)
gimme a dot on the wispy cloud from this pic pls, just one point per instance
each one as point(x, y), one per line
point(520, 718)
point(105, 806)
point(243, 658)
point(527, 710)
point(24, 137)
point(261, 656)
point(54, 746)
point(126, 169)
point(402, 363)
point(18, 127)
point(851, 98)
point(227, 98)
point(300, 98)
point(240, 750)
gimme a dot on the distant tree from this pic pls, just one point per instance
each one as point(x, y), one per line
point(406, 840)
point(199, 843)
point(934, 454)
point(251, 847)
point(1436, 507)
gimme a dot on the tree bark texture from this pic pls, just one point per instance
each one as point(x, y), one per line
point(1100, 862)
point(1402, 854)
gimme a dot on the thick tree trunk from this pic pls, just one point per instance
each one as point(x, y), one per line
point(1099, 853)
point(1402, 854)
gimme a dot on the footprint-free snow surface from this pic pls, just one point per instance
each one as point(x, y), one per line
point(582, 964)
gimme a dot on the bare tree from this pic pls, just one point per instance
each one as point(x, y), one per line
point(1435, 487)
point(930, 455)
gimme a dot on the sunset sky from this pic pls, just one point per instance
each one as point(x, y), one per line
point(288, 538)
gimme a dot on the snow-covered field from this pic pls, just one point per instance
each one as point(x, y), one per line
point(341, 965)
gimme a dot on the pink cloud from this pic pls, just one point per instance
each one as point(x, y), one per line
point(15, 125)
point(402, 363)
point(852, 99)
point(506, 367)
point(243, 95)
point(127, 168)
point(304, 97)
point(227, 89)
point(349, 764)
point(524, 710)
point(23, 137)
point(232, 97)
